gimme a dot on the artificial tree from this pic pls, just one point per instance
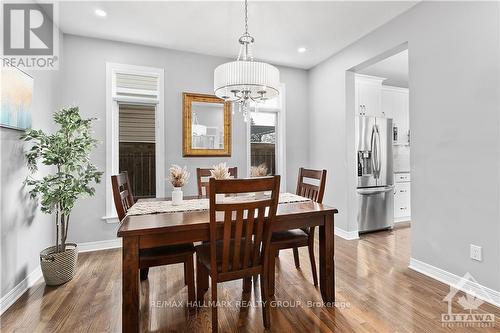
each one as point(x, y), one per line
point(67, 151)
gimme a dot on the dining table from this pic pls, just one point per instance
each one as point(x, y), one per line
point(150, 230)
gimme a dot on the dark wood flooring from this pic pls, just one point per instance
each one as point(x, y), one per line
point(375, 290)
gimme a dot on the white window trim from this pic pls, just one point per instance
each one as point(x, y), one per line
point(112, 144)
point(280, 138)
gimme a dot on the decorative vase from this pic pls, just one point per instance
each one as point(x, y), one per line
point(177, 196)
point(58, 268)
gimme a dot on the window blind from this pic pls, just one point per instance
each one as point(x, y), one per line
point(137, 123)
point(136, 85)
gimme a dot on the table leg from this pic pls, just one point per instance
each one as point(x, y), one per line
point(326, 260)
point(130, 284)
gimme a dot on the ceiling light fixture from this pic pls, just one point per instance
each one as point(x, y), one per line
point(100, 13)
point(244, 81)
point(301, 49)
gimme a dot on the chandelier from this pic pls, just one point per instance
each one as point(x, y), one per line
point(245, 81)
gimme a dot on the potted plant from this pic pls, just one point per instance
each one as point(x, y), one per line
point(259, 171)
point(220, 171)
point(67, 152)
point(178, 178)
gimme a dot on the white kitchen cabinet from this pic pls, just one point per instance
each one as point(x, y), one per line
point(395, 105)
point(387, 103)
point(402, 177)
point(401, 114)
point(369, 95)
point(402, 200)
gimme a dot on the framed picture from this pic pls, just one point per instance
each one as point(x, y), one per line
point(16, 99)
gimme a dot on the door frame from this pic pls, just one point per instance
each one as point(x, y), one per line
point(112, 129)
point(351, 112)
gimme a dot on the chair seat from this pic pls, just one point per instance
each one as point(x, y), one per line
point(294, 235)
point(203, 254)
point(165, 254)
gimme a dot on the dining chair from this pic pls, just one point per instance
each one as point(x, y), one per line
point(203, 175)
point(239, 249)
point(295, 238)
point(165, 255)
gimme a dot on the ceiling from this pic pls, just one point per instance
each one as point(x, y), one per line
point(212, 28)
point(394, 68)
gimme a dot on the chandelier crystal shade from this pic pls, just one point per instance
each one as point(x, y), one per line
point(244, 81)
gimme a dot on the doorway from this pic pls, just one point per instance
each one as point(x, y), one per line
point(380, 91)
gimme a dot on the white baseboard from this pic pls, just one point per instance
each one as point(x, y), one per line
point(472, 287)
point(100, 245)
point(36, 275)
point(402, 219)
point(111, 219)
point(20, 289)
point(349, 235)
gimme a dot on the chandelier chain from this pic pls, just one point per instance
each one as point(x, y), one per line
point(246, 17)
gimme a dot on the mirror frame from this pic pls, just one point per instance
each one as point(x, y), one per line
point(187, 147)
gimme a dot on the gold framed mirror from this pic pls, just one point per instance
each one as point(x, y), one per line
point(206, 126)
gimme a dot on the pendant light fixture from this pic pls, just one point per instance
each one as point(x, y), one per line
point(244, 81)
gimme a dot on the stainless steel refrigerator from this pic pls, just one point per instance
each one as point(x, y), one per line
point(375, 173)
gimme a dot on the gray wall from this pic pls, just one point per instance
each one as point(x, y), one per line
point(84, 85)
point(24, 229)
point(454, 120)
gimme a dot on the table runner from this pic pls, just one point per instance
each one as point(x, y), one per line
point(164, 206)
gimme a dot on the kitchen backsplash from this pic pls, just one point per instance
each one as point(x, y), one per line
point(401, 158)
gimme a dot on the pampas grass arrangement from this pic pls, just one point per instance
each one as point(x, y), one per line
point(220, 171)
point(178, 176)
point(258, 171)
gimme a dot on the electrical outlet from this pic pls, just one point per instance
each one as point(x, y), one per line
point(476, 252)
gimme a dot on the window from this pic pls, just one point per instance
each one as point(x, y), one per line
point(135, 138)
point(263, 140)
point(137, 147)
point(266, 144)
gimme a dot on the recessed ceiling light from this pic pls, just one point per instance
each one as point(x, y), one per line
point(301, 49)
point(100, 13)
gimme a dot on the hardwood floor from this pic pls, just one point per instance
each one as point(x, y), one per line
point(375, 289)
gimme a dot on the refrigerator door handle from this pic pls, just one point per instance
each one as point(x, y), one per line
point(379, 152)
point(375, 190)
point(374, 152)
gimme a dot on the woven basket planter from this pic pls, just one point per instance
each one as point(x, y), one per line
point(59, 268)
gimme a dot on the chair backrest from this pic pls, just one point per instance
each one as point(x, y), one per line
point(314, 192)
point(122, 194)
point(203, 176)
point(246, 229)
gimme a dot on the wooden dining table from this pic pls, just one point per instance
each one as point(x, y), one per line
point(156, 230)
